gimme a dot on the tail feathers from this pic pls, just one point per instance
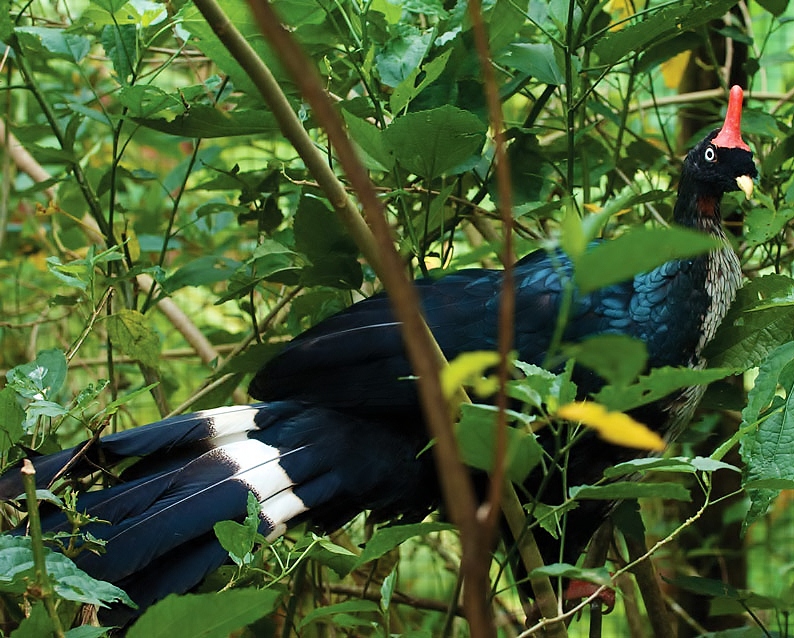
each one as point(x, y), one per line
point(177, 572)
point(164, 438)
point(300, 462)
point(152, 517)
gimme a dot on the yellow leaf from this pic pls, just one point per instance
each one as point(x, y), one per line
point(468, 369)
point(674, 68)
point(621, 10)
point(614, 427)
point(39, 260)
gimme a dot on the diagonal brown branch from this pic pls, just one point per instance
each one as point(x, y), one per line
point(502, 496)
point(379, 250)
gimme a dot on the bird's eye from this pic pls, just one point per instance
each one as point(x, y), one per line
point(710, 154)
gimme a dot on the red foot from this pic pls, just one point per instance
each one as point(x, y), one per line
point(576, 591)
point(579, 589)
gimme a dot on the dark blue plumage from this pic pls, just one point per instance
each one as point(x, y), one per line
point(340, 429)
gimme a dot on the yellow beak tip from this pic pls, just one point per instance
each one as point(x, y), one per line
point(745, 184)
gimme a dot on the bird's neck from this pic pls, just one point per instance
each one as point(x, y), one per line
point(700, 209)
point(697, 208)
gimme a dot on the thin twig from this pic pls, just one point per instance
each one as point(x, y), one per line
point(537, 627)
point(397, 597)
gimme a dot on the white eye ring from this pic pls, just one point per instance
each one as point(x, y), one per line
point(710, 154)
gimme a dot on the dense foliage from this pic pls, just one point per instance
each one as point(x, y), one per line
point(160, 237)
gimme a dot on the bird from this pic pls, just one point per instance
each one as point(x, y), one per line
point(338, 428)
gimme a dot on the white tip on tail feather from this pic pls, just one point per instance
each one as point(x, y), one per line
point(257, 467)
point(237, 419)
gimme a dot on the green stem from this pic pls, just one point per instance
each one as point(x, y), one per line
point(624, 116)
point(570, 109)
point(46, 592)
point(88, 193)
point(172, 218)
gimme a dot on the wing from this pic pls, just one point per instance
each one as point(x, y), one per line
point(356, 359)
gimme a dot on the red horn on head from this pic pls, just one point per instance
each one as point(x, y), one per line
point(730, 135)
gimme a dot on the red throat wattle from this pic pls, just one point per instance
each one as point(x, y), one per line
point(730, 135)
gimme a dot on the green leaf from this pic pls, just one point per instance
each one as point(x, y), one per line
point(37, 624)
point(346, 607)
point(435, 142)
point(322, 238)
point(239, 539)
point(706, 586)
point(87, 631)
point(70, 274)
point(505, 20)
point(617, 358)
point(387, 590)
point(120, 42)
point(658, 26)
point(239, 14)
point(69, 582)
point(536, 388)
point(404, 51)
point(768, 448)
point(12, 417)
point(213, 615)
point(409, 88)
point(113, 406)
point(40, 378)
point(111, 6)
point(536, 60)
point(553, 390)
point(759, 321)
point(144, 101)
point(434, 8)
point(40, 407)
point(628, 489)
point(762, 224)
point(656, 385)
point(476, 434)
point(550, 517)
point(338, 558)
point(627, 518)
point(207, 122)
point(386, 539)
point(201, 271)
point(775, 7)
point(599, 576)
point(134, 336)
point(236, 539)
point(637, 251)
point(675, 464)
point(371, 141)
point(765, 385)
point(763, 485)
point(59, 42)
point(6, 23)
point(297, 13)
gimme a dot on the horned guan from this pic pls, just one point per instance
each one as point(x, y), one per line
point(339, 428)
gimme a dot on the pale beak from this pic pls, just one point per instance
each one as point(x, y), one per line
point(745, 184)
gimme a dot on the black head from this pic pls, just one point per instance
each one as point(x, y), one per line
point(719, 164)
point(716, 169)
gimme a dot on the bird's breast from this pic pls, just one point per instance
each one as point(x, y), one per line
point(723, 277)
